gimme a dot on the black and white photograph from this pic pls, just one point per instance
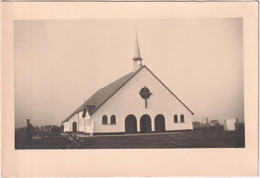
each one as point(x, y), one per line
point(129, 83)
point(129, 89)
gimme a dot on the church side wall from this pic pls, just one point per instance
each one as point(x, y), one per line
point(70, 122)
point(66, 127)
point(128, 101)
point(83, 124)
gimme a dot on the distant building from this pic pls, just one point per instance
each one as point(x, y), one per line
point(230, 124)
point(197, 124)
point(36, 128)
point(49, 128)
point(214, 125)
point(136, 103)
point(207, 120)
point(214, 122)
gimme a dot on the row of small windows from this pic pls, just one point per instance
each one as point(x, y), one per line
point(112, 120)
point(176, 118)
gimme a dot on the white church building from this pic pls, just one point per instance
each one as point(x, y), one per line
point(138, 102)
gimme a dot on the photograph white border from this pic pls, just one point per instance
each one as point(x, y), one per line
point(131, 162)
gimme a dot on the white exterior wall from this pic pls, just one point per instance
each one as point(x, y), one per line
point(86, 124)
point(81, 122)
point(128, 101)
point(73, 119)
point(66, 127)
point(229, 124)
point(87, 121)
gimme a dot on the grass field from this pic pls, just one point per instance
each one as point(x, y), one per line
point(49, 141)
point(192, 139)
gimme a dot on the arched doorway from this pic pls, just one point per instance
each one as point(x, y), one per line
point(159, 123)
point(130, 124)
point(145, 124)
point(74, 127)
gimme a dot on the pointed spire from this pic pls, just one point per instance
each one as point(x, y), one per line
point(137, 56)
point(137, 50)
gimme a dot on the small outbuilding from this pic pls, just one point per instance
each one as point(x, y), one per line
point(230, 124)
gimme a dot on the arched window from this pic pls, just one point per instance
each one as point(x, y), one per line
point(113, 119)
point(175, 118)
point(182, 118)
point(104, 120)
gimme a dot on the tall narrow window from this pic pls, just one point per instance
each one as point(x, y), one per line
point(175, 118)
point(104, 120)
point(182, 118)
point(113, 119)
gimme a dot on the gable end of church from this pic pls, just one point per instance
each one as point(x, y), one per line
point(96, 107)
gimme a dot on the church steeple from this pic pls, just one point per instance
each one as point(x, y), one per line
point(137, 58)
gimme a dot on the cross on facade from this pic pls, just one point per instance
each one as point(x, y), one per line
point(145, 94)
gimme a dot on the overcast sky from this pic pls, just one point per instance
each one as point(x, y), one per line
point(58, 63)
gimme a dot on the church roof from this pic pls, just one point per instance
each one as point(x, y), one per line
point(103, 94)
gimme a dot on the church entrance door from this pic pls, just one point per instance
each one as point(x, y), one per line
point(159, 123)
point(74, 127)
point(130, 124)
point(145, 124)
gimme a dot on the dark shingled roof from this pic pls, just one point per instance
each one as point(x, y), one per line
point(103, 94)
